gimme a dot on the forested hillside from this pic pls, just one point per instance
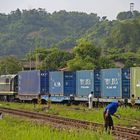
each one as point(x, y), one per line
point(21, 31)
point(94, 42)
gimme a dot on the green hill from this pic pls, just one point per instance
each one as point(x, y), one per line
point(22, 31)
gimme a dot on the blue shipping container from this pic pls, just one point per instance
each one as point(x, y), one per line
point(69, 83)
point(111, 83)
point(97, 83)
point(84, 82)
point(44, 82)
point(33, 82)
point(29, 82)
point(125, 83)
point(56, 83)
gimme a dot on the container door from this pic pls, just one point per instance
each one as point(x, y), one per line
point(97, 83)
point(56, 83)
point(29, 82)
point(126, 83)
point(69, 83)
point(84, 81)
point(44, 80)
point(135, 81)
point(111, 83)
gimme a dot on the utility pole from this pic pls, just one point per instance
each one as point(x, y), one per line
point(37, 60)
point(30, 59)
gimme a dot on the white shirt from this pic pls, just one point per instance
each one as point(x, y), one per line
point(90, 96)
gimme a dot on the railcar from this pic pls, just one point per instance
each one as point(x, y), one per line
point(32, 84)
point(8, 87)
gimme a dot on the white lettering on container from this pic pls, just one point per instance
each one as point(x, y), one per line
point(85, 83)
point(111, 83)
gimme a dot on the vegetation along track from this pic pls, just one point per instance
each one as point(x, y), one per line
point(119, 132)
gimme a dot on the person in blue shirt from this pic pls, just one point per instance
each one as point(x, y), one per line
point(109, 111)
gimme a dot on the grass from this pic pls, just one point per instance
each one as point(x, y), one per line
point(12, 128)
point(128, 115)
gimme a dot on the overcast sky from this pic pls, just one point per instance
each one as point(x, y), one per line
point(109, 8)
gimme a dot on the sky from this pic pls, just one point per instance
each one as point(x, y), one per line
point(109, 8)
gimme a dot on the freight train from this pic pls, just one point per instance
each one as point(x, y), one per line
point(107, 85)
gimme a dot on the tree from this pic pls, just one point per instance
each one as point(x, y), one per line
point(39, 53)
point(105, 63)
point(85, 48)
point(86, 56)
point(128, 15)
point(55, 59)
point(79, 64)
point(10, 65)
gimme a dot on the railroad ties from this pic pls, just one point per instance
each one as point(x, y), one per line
point(119, 132)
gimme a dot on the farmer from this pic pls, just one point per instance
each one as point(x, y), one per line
point(132, 100)
point(90, 100)
point(49, 101)
point(1, 116)
point(110, 111)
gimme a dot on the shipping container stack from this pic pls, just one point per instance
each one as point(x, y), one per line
point(111, 83)
point(84, 82)
point(106, 84)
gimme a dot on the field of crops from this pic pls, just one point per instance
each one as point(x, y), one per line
point(129, 116)
point(15, 128)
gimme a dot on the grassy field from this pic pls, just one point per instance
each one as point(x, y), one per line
point(129, 116)
point(13, 128)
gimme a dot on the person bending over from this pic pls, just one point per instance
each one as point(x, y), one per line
point(110, 111)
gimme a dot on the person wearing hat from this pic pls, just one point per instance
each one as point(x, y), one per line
point(132, 101)
point(110, 111)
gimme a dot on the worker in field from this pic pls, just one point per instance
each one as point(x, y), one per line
point(39, 99)
point(125, 102)
point(39, 102)
point(110, 111)
point(49, 101)
point(132, 100)
point(90, 100)
point(1, 116)
point(97, 102)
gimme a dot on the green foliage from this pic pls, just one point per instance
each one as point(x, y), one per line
point(12, 128)
point(104, 63)
point(128, 15)
point(32, 32)
point(86, 55)
point(85, 48)
point(25, 30)
point(55, 59)
point(80, 64)
point(10, 65)
point(39, 53)
point(125, 35)
point(129, 59)
point(129, 116)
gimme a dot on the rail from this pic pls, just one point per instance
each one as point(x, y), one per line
point(119, 132)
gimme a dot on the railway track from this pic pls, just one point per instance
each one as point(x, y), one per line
point(119, 132)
